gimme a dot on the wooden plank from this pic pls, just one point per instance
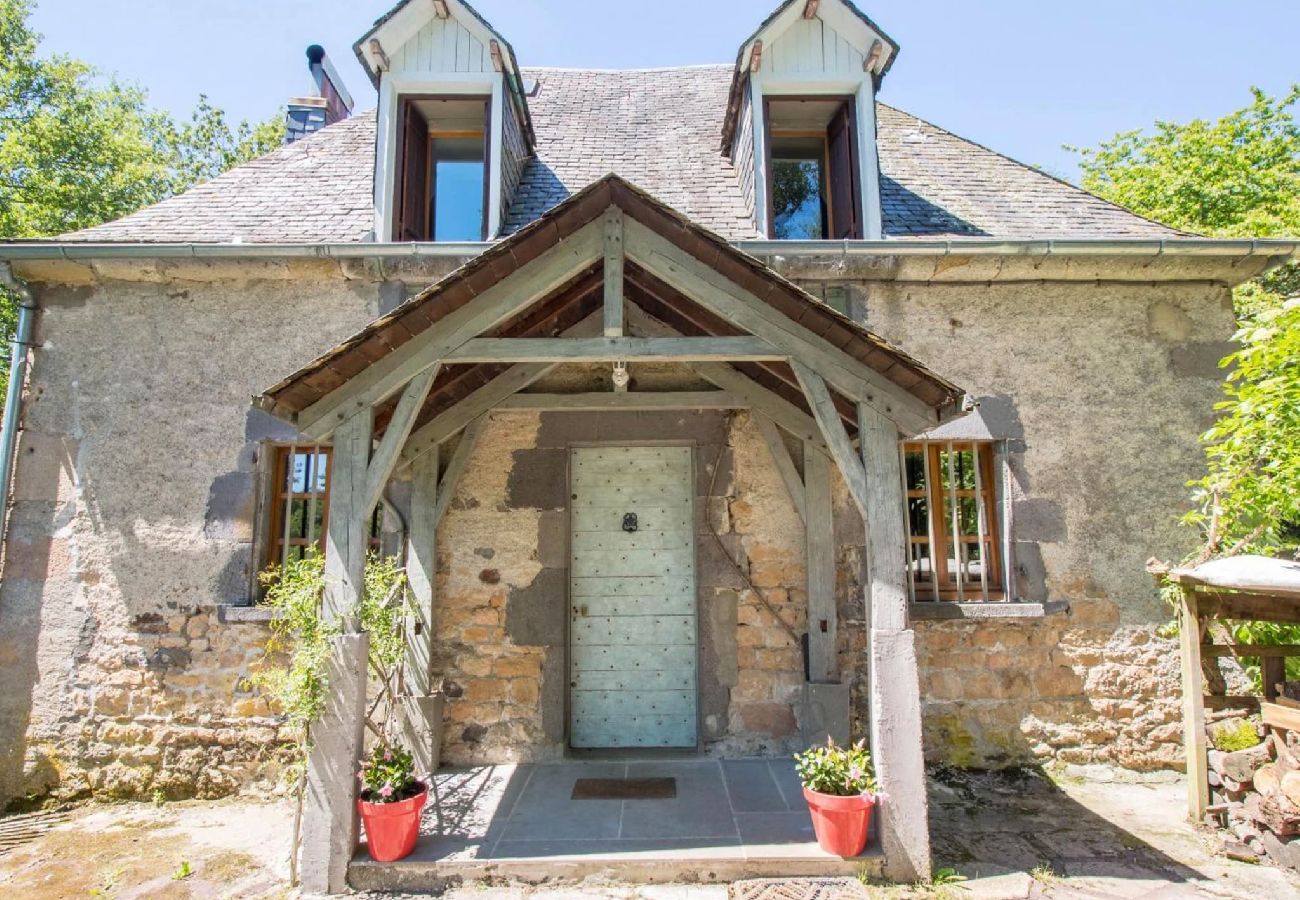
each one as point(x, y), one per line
point(631, 563)
point(633, 630)
point(707, 287)
point(385, 456)
point(636, 731)
point(819, 534)
point(635, 679)
point(630, 585)
point(1230, 701)
point(422, 575)
point(611, 539)
point(609, 349)
point(633, 400)
point(516, 291)
point(776, 408)
point(346, 531)
point(662, 604)
point(1280, 716)
point(601, 518)
point(837, 439)
point(1194, 739)
point(1244, 606)
point(456, 467)
point(452, 420)
point(886, 525)
point(1216, 651)
point(613, 301)
point(658, 702)
point(780, 454)
point(514, 379)
point(638, 659)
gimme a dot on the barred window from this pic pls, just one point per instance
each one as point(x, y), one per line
point(300, 504)
point(954, 541)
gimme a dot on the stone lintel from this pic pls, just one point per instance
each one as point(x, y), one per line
point(932, 610)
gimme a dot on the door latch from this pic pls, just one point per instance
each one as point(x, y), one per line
point(629, 522)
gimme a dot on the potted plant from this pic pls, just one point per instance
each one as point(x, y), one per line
point(390, 803)
point(839, 784)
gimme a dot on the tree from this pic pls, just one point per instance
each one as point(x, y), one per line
point(77, 149)
point(1238, 176)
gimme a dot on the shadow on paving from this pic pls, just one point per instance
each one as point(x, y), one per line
point(990, 823)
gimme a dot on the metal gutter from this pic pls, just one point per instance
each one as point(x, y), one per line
point(14, 396)
point(1240, 248)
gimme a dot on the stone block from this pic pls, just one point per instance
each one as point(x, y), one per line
point(823, 713)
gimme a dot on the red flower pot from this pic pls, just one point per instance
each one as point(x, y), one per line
point(841, 823)
point(392, 828)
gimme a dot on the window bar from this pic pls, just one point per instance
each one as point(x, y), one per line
point(907, 524)
point(956, 523)
point(310, 485)
point(930, 495)
point(980, 526)
point(1003, 459)
point(286, 501)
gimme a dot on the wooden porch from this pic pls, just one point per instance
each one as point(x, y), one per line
point(612, 277)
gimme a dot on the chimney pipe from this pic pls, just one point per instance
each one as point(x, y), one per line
point(330, 103)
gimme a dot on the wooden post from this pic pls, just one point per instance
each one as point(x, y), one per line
point(421, 573)
point(895, 712)
point(329, 826)
point(345, 536)
point(613, 272)
point(1194, 739)
point(819, 533)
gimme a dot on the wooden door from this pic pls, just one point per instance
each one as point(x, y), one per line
point(843, 176)
point(632, 624)
point(412, 219)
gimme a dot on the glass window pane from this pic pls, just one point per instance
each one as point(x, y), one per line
point(297, 518)
point(797, 209)
point(297, 474)
point(915, 463)
point(458, 173)
point(918, 517)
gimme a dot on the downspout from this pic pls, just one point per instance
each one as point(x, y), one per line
point(17, 376)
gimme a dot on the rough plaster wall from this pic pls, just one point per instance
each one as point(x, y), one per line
point(133, 515)
point(1102, 391)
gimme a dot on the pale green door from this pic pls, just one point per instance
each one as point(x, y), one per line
point(632, 598)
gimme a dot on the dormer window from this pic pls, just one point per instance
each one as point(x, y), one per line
point(812, 169)
point(443, 173)
point(801, 120)
point(453, 130)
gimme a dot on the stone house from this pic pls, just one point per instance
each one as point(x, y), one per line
point(830, 420)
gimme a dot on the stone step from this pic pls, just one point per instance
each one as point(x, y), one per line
point(703, 865)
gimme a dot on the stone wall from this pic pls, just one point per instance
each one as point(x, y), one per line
point(134, 519)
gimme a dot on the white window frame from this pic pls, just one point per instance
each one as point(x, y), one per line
point(863, 91)
point(391, 90)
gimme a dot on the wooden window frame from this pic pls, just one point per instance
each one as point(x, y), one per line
point(944, 584)
point(851, 102)
point(281, 497)
point(433, 133)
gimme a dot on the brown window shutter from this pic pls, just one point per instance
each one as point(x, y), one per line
point(412, 221)
point(846, 222)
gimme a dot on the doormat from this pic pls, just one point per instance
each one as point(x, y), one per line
point(624, 789)
point(797, 889)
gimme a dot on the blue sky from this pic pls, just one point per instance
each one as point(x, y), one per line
point(1021, 76)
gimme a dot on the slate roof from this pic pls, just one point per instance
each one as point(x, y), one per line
point(657, 128)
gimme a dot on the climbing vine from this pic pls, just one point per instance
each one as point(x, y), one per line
point(295, 670)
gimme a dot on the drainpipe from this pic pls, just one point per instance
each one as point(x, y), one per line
point(17, 376)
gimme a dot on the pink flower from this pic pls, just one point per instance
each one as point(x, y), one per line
point(386, 790)
point(388, 756)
